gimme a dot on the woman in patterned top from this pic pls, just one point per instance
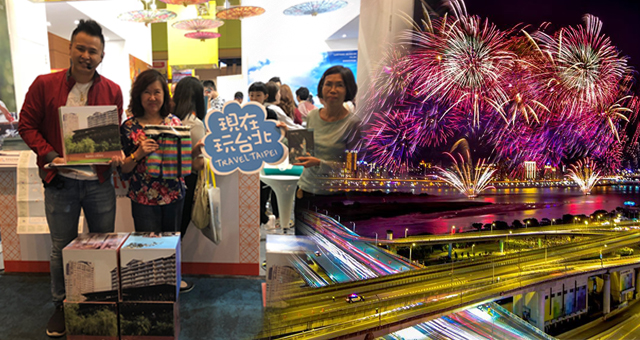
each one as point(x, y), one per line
point(156, 202)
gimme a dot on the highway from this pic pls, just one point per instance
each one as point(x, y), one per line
point(485, 321)
point(414, 296)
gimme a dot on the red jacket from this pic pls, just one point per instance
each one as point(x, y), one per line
point(39, 123)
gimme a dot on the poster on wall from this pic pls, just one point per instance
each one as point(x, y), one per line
point(556, 300)
point(7, 90)
point(581, 297)
point(569, 299)
point(136, 66)
point(305, 70)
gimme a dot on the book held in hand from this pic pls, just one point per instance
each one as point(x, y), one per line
point(91, 134)
point(300, 144)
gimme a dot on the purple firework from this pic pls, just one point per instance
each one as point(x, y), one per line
point(463, 63)
point(392, 139)
point(584, 70)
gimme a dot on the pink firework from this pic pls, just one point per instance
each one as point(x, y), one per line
point(462, 63)
point(585, 70)
point(392, 139)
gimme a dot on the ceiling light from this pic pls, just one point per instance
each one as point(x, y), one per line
point(48, 24)
point(344, 35)
point(76, 22)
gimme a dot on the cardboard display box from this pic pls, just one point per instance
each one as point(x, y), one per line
point(150, 267)
point(149, 320)
point(91, 267)
point(91, 320)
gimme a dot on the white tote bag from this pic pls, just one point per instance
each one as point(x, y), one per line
point(213, 230)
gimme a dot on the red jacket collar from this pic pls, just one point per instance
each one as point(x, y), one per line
point(71, 81)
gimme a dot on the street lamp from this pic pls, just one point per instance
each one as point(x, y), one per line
point(354, 226)
point(376, 238)
point(527, 225)
point(410, 249)
point(453, 230)
point(472, 252)
point(601, 262)
point(492, 225)
point(508, 237)
point(405, 232)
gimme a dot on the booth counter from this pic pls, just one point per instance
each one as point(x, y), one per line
point(27, 244)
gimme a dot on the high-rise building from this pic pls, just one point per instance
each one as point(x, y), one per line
point(531, 170)
point(70, 123)
point(139, 273)
point(103, 118)
point(79, 279)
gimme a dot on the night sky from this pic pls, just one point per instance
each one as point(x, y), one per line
point(620, 18)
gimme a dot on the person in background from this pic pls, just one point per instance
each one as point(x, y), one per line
point(188, 105)
point(335, 130)
point(275, 80)
point(66, 192)
point(305, 103)
point(287, 103)
point(215, 101)
point(172, 87)
point(5, 112)
point(156, 202)
point(272, 101)
point(258, 93)
point(239, 97)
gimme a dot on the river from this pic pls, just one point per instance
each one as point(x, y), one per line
point(506, 205)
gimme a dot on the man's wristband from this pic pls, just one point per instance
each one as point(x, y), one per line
point(134, 158)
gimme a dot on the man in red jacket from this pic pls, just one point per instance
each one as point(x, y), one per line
point(67, 191)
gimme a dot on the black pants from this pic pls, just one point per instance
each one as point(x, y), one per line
point(265, 193)
point(191, 181)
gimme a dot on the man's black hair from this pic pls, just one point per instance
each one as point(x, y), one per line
point(275, 80)
point(209, 83)
point(89, 27)
point(238, 95)
point(303, 93)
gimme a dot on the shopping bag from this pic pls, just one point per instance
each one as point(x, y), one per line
point(214, 205)
point(201, 213)
point(206, 208)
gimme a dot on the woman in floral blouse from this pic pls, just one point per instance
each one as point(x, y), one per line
point(156, 202)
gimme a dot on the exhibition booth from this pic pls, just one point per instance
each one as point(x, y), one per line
point(295, 48)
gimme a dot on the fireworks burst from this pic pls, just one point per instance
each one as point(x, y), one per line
point(585, 175)
point(470, 180)
point(392, 140)
point(543, 97)
point(462, 63)
point(585, 69)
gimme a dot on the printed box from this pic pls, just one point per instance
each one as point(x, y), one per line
point(91, 320)
point(150, 267)
point(149, 320)
point(91, 267)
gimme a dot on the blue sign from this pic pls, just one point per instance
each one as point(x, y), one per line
point(630, 203)
point(240, 138)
